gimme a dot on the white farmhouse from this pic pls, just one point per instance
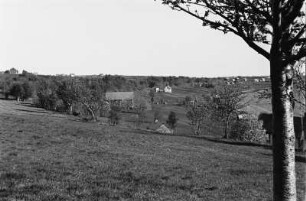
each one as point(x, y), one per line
point(168, 89)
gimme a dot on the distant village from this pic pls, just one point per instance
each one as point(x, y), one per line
point(236, 80)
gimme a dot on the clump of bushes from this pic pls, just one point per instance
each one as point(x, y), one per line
point(21, 90)
point(209, 85)
point(113, 116)
point(48, 101)
point(172, 120)
point(248, 129)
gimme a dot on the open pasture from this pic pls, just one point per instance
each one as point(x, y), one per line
point(46, 156)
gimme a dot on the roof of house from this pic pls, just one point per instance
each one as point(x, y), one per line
point(163, 129)
point(119, 95)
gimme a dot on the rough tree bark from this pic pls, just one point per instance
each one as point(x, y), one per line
point(281, 73)
point(283, 136)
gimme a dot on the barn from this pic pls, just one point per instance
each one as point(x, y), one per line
point(120, 98)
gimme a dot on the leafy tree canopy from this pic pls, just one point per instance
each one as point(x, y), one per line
point(252, 20)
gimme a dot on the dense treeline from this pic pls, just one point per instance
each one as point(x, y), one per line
point(20, 86)
point(25, 85)
point(77, 94)
point(85, 95)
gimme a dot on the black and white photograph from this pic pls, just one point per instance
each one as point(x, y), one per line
point(152, 100)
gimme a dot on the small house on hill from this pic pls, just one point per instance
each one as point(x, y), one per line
point(13, 71)
point(120, 98)
point(168, 89)
point(163, 129)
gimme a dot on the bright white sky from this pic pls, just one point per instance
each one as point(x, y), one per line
point(125, 37)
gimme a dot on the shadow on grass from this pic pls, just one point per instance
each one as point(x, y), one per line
point(207, 138)
point(298, 158)
point(32, 111)
point(231, 142)
point(27, 104)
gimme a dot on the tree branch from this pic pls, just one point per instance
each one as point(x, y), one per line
point(238, 32)
point(297, 57)
point(298, 35)
point(215, 24)
point(292, 11)
point(262, 12)
point(255, 47)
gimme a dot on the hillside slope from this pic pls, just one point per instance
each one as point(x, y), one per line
point(45, 156)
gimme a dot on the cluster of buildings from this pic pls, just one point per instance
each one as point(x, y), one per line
point(166, 89)
point(236, 80)
point(262, 79)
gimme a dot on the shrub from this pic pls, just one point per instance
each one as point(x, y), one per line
point(238, 129)
point(47, 101)
point(28, 90)
point(21, 90)
point(209, 85)
point(113, 116)
point(46, 94)
point(105, 108)
point(172, 120)
point(17, 90)
point(187, 100)
point(248, 130)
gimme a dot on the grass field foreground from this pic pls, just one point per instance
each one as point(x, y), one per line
point(47, 156)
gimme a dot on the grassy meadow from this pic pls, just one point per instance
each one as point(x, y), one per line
point(50, 156)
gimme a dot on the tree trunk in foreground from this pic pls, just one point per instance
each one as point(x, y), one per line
point(284, 178)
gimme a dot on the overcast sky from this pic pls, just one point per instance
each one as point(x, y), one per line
point(125, 37)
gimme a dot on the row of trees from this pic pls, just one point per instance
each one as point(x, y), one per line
point(72, 95)
point(86, 96)
point(18, 87)
point(222, 104)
